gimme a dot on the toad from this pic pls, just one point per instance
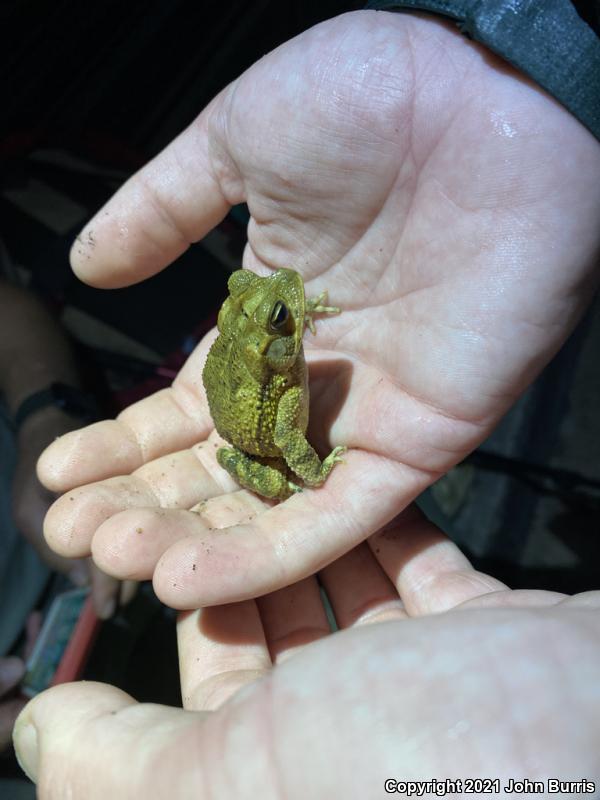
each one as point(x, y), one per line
point(256, 382)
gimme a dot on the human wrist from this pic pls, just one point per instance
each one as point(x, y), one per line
point(58, 406)
point(26, 376)
point(47, 422)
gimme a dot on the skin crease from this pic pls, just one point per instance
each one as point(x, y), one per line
point(448, 206)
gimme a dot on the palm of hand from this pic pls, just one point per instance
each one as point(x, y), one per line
point(426, 187)
point(431, 219)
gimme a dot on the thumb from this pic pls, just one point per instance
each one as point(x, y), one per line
point(171, 202)
point(90, 740)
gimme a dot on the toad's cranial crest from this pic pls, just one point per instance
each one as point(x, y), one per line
point(256, 383)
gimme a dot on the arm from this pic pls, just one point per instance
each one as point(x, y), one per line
point(34, 352)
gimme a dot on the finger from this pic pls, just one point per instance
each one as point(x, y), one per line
point(73, 519)
point(97, 738)
point(170, 203)
point(514, 598)
point(128, 591)
point(29, 512)
point(428, 570)
point(79, 574)
point(105, 592)
point(129, 544)
point(359, 590)
point(292, 618)
point(170, 420)
point(286, 543)
point(178, 480)
point(583, 600)
point(221, 649)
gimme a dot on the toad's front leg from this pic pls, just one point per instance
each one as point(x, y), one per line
point(289, 437)
point(315, 305)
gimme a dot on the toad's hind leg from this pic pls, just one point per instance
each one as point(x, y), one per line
point(289, 437)
point(265, 476)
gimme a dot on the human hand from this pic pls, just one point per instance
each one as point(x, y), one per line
point(460, 679)
point(31, 501)
point(449, 206)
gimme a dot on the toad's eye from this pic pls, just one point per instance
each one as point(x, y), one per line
point(279, 316)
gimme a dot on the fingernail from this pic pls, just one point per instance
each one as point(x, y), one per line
point(25, 740)
point(107, 609)
point(11, 671)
